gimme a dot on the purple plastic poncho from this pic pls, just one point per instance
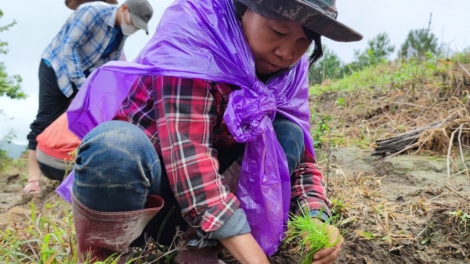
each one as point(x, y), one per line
point(203, 39)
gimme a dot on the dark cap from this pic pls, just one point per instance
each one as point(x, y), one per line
point(316, 15)
point(141, 12)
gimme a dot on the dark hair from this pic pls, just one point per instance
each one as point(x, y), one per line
point(312, 36)
point(318, 49)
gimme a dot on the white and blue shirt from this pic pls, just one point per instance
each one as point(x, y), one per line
point(88, 40)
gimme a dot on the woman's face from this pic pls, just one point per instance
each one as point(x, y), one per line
point(274, 44)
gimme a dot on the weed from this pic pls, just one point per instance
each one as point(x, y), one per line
point(461, 219)
point(321, 130)
point(460, 215)
point(34, 238)
point(5, 160)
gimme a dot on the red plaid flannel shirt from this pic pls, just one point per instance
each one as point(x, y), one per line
point(184, 120)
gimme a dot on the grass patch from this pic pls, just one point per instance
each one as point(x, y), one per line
point(385, 75)
point(32, 237)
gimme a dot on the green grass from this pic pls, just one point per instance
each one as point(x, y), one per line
point(5, 161)
point(36, 238)
point(389, 75)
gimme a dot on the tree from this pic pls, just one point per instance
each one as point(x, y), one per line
point(9, 85)
point(328, 67)
point(377, 51)
point(418, 43)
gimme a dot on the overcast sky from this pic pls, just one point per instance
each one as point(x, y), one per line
point(40, 20)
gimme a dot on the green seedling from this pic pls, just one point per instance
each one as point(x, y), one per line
point(460, 216)
point(312, 235)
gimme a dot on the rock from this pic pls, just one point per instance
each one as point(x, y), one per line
point(17, 211)
point(7, 200)
point(12, 177)
point(13, 188)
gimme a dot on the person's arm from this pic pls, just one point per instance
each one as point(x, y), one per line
point(83, 21)
point(245, 249)
point(308, 192)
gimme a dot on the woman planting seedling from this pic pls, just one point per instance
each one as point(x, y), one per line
point(212, 119)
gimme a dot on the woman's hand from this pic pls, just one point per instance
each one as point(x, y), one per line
point(328, 255)
point(245, 249)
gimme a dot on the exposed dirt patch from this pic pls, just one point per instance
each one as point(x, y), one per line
point(13, 202)
point(400, 210)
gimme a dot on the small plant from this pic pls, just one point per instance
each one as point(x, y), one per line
point(312, 235)
point(321, 130)
point(341, 101)
point(5, 160)
point(461, 220)
point(460, 216)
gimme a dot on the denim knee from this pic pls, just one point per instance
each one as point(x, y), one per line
point(291, 138)
point(116, 168)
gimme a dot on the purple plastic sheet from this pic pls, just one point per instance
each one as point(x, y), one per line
point(203, 39)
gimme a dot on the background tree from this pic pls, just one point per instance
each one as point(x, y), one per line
point(418, 43)
point(378, 50)
point(328, 67)
point(9, 85)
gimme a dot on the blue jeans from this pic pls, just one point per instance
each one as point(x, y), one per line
point(117, 167)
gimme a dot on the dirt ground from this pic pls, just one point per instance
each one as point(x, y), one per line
point(401, 210)
point(396, 210)
point(14, 203)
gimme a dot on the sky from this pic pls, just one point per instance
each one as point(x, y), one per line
point(39, 21)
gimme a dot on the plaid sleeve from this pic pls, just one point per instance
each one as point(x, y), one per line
point(186, 114)
point(83, 20)
point(307, 187)
point(113, 56)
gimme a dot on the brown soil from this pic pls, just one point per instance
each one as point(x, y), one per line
point(402, 204)
point(13, 202)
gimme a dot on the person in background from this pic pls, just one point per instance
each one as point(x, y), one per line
point(93, 35)
point(55, 149)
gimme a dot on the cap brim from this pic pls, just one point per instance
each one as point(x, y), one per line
point(321, 23)
point(307, 15)
point(139, 23)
